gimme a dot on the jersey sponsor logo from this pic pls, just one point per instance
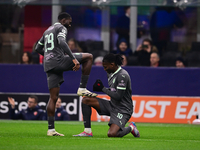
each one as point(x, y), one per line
point(113, 89)
point(49, 56)
point(122, 81)
point(64, 31)
point(121, 84)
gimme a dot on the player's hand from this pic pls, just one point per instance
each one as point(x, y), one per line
point(12, 102)
point(76, 65)
point(98, 86)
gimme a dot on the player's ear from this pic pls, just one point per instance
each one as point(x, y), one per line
point(62, 21)
point(112, 64)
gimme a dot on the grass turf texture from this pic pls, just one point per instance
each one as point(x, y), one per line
point(31, 135)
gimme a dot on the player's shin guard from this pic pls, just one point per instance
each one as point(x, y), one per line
point(86, 111)
point(51, 122)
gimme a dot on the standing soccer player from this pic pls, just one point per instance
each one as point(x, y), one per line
point(119, 108)
point(59, 58)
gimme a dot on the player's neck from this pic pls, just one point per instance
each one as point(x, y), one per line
point(116, 69)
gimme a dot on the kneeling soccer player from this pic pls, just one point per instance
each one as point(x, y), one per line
point(119, 108)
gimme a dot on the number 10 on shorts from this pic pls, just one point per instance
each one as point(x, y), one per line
point(119, 116)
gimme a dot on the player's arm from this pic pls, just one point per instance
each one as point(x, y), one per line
point(62, 33)
point(40, 46)
point(65, 47)
point(120, 89)
point(62, 42)
point(67, 50)
point(116, 94)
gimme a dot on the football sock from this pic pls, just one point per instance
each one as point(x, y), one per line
point(51, 122)
point(131, 128)
point(88, 130)
point(86, 111)
point(124, 132)
point(82, 88)
point(84, 80)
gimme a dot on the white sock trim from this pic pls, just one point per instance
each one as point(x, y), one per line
point(51, 130)
point(88, 130)
point(131, 128)
point(82, 89)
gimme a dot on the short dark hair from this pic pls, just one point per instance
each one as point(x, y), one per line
point(35, 97)
point(113, 58)
point(147, 40)
point(63, 15)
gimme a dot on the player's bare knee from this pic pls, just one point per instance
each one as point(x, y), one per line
point(88, 55)
point(86, 100)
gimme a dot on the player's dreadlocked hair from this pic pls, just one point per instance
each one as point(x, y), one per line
point(63, 15)
point(116, 58)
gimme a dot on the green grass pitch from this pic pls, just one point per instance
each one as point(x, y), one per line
point(31, 135)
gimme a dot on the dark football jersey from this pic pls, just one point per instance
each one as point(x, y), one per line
point(53, 53)
point(120, 80)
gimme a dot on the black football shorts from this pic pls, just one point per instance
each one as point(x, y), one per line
point(55, 76)
point(116, 117)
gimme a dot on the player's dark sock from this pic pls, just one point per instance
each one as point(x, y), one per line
point(84, 80)
point(86, 111)
point(51, 122)
point(124, 132)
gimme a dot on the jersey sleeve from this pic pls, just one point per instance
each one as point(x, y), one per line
point(61, 36)
point(40, 46)
point(122, 81)
point(62, 32)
